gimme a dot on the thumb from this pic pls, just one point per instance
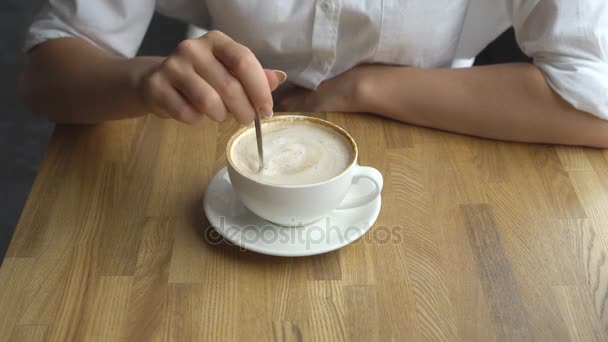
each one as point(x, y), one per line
point(275, 78)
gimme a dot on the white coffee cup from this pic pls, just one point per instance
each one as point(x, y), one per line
point(297, 205)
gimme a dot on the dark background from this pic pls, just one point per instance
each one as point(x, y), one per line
point(23, 136)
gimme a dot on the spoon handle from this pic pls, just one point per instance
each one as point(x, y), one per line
point(258, 137)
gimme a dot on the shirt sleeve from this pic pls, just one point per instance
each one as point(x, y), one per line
point(117, 26)
point(568, 40)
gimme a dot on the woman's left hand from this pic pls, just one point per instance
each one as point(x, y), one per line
point(339, 94)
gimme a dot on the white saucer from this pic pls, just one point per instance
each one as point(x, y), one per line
point(240, 226)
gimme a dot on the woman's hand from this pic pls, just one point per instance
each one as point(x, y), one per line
point(339, 94)
point(212, 75)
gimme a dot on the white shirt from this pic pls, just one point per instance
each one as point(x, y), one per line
point(313, 40)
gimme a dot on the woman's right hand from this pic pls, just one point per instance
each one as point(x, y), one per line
point(212, 75)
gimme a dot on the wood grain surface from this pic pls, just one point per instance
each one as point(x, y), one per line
point(477, 240)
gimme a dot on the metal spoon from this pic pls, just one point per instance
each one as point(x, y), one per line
point(258, 138)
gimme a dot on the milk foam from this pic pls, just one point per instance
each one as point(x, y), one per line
point(295, 153)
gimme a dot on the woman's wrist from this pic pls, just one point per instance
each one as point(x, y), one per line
point(369, 82)
point(374, 83)
point(135, 70)
point(358, 90)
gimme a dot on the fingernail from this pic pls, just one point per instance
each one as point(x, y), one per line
point(281, 75)
point(266, 111)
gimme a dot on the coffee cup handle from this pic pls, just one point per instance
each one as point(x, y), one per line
point(364, 172)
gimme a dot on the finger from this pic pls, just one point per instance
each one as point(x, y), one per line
point(227, 86)
point(275, 78)
point(217, 75)
point(161, 114)
point(199, 94)
point(285, 104)
point(179, 109)
point(167, 101)
point(294, 100)
point(243, 64)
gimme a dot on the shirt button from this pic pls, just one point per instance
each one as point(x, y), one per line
point(326, 5)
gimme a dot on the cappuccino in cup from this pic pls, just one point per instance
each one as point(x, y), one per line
point(296, 152)
point(309, 166)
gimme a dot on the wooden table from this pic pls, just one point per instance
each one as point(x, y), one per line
point(477, 240)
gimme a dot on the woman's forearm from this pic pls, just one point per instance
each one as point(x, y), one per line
point(71, 81)
point(508, 102)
